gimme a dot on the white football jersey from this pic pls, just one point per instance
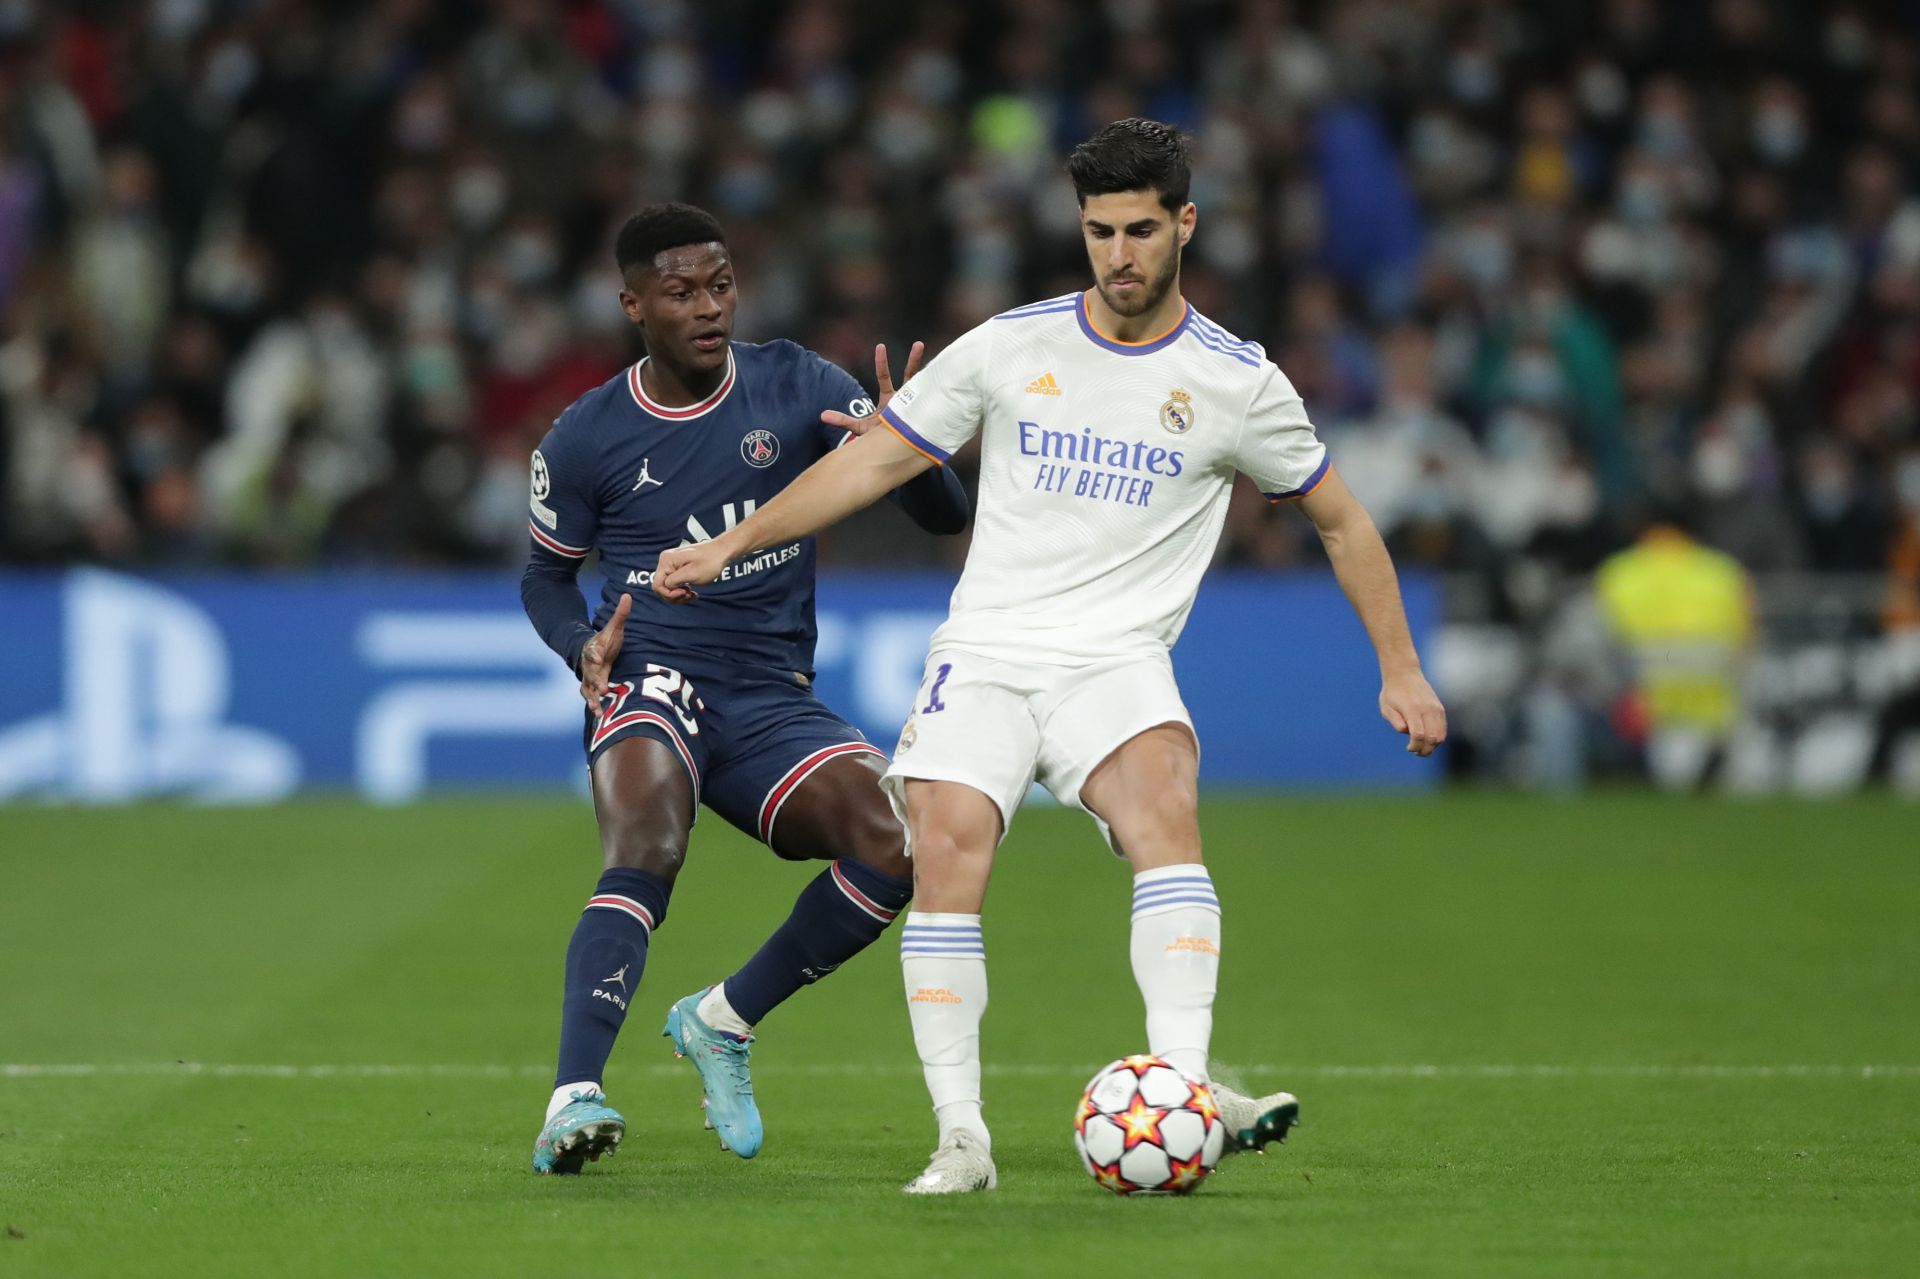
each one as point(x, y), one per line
point(1105, 470)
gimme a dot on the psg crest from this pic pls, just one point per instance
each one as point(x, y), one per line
point(760, 448)
point(1177, 413)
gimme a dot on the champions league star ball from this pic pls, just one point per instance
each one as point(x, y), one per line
point(1143, 1128)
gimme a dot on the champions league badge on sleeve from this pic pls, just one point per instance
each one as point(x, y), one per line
point(760, 448)
point(1177, 413)
point(542, 486)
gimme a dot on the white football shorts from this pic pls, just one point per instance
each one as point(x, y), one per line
point(999, 726)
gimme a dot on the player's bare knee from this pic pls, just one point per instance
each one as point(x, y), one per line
point(1161, 830)
point(940, 854)
point(636, 847)
point(935, 846)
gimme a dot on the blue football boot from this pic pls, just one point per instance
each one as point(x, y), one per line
point(721, 1060)
point(585, 1128)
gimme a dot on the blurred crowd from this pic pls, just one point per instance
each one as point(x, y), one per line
point(290, 282)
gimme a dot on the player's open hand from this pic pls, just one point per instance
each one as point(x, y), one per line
point(685, 567)
point(1412, 707)
point(596, 659)
point(883, 377)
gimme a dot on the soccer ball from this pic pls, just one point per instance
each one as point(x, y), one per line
point(1143, 1128)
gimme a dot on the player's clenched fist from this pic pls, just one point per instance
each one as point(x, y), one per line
point(1409, 704)
point(597, 658)
point(685, 567)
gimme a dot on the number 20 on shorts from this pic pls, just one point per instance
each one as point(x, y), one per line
point(666, 685)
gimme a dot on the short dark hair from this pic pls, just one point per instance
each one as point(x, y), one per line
point(659, 227)
point(1133, 155)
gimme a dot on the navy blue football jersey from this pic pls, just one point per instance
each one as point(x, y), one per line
point(624, 475)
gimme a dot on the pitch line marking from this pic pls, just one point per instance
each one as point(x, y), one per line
point(456, 1070)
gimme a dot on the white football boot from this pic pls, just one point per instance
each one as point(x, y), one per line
point(1252, 1122)
point(960, 1166)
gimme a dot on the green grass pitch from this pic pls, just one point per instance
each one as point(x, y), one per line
point(1609, 1036)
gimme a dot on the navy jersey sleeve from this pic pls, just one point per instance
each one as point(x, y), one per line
point(934, 499)
point(563, 519)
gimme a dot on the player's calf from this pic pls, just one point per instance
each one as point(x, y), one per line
point(837, 812)
point(842, 912)
point(605, 958)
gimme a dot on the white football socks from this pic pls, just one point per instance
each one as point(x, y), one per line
point(944, 962)
point(1176, 961)
point(563, 1095)
point(714, 1009)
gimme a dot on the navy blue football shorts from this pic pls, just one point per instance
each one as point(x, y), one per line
point(748, 736)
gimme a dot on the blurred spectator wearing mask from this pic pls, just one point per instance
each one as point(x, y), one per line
point(1684, 614)
point(1418, 468)
point(1547, 353)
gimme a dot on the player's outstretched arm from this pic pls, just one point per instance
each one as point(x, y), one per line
point(834, 487)
point(1365, 570)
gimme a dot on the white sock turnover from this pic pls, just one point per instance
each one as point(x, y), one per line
point(943, 960)
point(718, 1013)
point(1176, 960)
point(563, 1095)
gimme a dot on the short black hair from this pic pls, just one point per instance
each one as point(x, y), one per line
point(660, 227)
point(1133, 155)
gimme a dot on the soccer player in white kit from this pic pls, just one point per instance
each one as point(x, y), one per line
point(1112, 424)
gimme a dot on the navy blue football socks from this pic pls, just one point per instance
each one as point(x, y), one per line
point(836, 917)
point(604, 962)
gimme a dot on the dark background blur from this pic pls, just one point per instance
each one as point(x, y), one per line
point(300, 284)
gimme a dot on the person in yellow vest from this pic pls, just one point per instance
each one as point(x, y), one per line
point(1685, 614)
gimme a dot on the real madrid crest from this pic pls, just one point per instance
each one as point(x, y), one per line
point(907, 736)
point(1177, 413)
point(760, 448)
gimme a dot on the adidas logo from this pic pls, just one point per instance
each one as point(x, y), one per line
point(1043, 385)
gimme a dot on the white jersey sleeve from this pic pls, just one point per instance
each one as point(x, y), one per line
point(942, 406)
point(1278, 448)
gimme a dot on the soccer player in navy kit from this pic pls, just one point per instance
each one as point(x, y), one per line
point(711, 703)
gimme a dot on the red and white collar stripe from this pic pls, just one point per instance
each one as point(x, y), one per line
point(658, 409)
